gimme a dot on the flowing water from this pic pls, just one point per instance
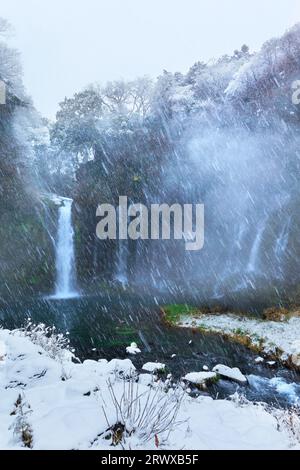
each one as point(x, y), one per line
point(65, 255)
point(103, 326)
point(122, 263)
point(255, 251)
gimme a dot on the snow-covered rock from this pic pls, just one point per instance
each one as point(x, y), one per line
point(259, 360)
point(295, 358)
point(200, 378)
point(124, 368)
point(133, 349)
point(231, 374)
point(295, 350)
point(154, 367)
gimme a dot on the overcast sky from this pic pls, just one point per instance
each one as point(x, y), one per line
point(67, 44)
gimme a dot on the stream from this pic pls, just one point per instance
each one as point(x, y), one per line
point(103, 326)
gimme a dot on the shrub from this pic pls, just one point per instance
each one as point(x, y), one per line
point(276, 314)
point(21, 426)
point(149, 415)
point(55, 344)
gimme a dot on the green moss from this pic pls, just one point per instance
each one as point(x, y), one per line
point(204, 328)
point(240, 332)
point(125, 335)
point(174, 312)
point(125, 331)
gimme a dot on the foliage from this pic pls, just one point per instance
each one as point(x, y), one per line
point(173, 313)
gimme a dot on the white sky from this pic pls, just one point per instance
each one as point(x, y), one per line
point(67, 44)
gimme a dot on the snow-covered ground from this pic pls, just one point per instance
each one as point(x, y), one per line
point(281, 339)
point(51, 402)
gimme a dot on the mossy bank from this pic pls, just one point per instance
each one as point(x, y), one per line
point(276, 336)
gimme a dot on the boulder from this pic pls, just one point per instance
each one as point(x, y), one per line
point(133, 349)
point(230, 374)
point(154, 367)
point(201, 379)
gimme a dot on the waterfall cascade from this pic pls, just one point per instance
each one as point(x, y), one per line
point(122, 262)
point(255, 251)
point(65, 254)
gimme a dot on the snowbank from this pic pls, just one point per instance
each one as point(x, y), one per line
point(59, 404)
point(2, 350)
point(275, 339)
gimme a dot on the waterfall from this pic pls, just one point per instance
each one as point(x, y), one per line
point(122, 262)
point(122, 259)
point(283, 240)
point(254, 255)
point(65, 254)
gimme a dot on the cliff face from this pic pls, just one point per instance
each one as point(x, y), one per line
point(26, 251)
point(94, 258)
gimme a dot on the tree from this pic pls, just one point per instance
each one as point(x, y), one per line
point(100, 120)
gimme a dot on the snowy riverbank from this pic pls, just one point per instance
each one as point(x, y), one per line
point(47, 401)
point(278, 340)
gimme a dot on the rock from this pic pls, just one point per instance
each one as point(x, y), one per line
point(124, 368)
point(271, 363)
point(259, 360)
point(295, 358)
point(154, 367)
point(231, 374)
point(201, 379)
point(205, 368)
point(133, 349)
